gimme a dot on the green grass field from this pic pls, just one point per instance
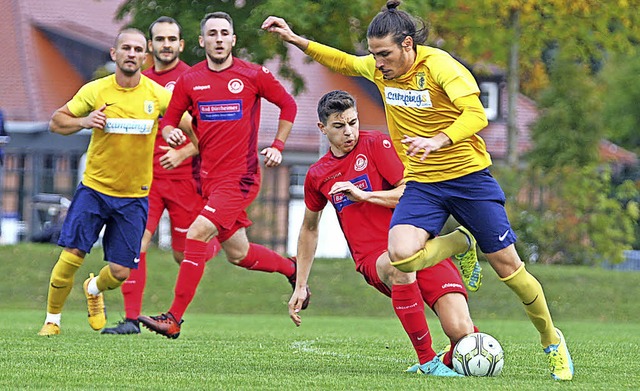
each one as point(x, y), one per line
point(237, 334)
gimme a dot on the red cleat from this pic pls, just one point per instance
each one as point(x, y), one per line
point(163, 324)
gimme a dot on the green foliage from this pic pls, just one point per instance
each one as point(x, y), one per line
point(569, 129)
point(579, 215)
point(480, 31)
point(621, 110)
point(578, 218)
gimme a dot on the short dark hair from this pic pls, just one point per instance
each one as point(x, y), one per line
point(216, 15)
point(398, 24)
point(332, 102)
point(165, 19)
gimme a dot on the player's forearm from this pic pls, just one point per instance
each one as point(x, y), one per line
point(284, 128)
point(307, 245)
point(471, 120)
point(63, 123)
point(386, 198)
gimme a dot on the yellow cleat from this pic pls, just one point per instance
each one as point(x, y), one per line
point(469, 265)
point(560, 363)
point(49, 329)
point(95, 306)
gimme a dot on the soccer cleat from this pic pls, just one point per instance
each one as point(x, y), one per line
point(163, 324)
point(125, 326)
point(49, 329)
point(434, 367)
point(469, 266)
point(560, 363)
point(292, 281)
point(97, 312)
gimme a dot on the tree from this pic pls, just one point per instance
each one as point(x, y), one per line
point(577, 215)
point(622, 91)
point(333, 21)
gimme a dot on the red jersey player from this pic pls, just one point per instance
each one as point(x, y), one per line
point(224, 94)
point(174, 187)
point(362, 177)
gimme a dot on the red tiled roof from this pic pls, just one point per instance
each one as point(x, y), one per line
point(35, 79)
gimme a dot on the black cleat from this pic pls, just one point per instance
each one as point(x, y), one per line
point(125, 326)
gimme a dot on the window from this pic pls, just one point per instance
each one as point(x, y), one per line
point(489, 96)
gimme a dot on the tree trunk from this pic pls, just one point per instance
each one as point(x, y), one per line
point(513, 82)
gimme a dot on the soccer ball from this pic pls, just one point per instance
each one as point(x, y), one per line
point(478, 354)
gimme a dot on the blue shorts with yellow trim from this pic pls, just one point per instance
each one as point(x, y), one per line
point(124, 220)
point(475, 200)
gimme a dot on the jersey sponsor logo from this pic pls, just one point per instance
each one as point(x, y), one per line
point(129, 126)
point(421, 80)
point(334, 176)
point(340, 200)
point(220, 110)
point(200, 88)
point(361, 162)
point(386, 144)
point(407, 98)
point(235, 86)
point(170, 85)
point(149, 106)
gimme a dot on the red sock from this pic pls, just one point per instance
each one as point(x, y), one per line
point(213, 248)
point(266, 260)
point(133, 288)
point(446, 359)
point(189, 276)
point(409, 307)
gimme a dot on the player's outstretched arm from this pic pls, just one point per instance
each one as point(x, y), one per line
point(307, 245)
point(64, 122)
point(279, 26)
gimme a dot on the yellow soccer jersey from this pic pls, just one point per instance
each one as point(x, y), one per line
point(120, 156)
point(419, 103)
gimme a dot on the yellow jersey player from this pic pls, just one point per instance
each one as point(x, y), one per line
point(433, 114)
point(122, 110)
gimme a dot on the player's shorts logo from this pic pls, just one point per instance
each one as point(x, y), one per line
point(361, 162)
point(235, 86)
point(265, 70)
point(386, 144)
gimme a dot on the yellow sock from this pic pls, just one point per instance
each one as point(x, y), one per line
point(530, 292)
point(106, 280)
point(61, 280)
point(437, 249)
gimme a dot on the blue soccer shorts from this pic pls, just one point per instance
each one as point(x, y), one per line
point(124, 220)
point(475, 200)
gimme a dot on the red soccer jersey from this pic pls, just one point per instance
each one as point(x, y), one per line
point(372, 165)
point(226, 108)
point(168, 79)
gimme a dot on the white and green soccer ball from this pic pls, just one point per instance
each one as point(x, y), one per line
point(478, 354)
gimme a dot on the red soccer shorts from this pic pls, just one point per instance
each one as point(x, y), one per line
point(181, 199)
point(226, 202)
point(434, 281)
